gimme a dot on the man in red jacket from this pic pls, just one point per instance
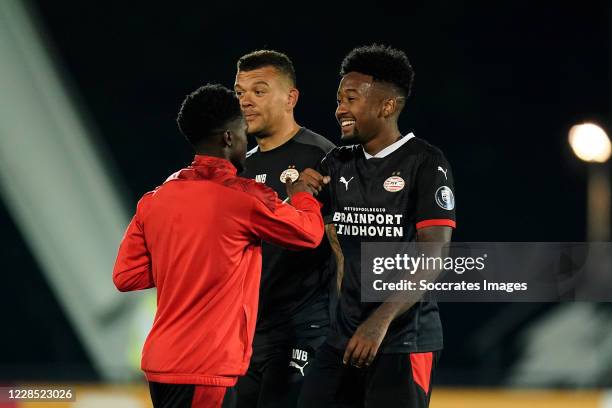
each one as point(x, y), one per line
point(197, 239)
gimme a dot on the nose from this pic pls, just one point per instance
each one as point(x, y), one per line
point(245, 100)
point(341, 110)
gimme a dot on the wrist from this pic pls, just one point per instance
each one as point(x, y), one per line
point(382, 316)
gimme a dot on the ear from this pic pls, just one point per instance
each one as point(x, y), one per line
point(389, 107)
point(228, 138)
point(292, 98)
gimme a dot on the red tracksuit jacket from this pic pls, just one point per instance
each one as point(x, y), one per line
point(197, 239)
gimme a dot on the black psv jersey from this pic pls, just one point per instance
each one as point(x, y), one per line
point(294, 284)
point(386, 198)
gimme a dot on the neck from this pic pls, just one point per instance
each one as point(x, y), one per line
point(386, 137)
point(214, 152)
point(279, 136)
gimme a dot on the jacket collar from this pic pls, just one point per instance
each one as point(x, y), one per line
point(205, 168)
point(218, 163)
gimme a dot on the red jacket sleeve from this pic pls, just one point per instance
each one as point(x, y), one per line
point(295, 226)
point(133, 265)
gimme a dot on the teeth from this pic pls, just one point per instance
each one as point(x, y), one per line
point(347, 123)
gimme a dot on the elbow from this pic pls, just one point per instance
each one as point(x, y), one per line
point(122, 288)
point(124, 280)
point(130, 276)
point(120, 284)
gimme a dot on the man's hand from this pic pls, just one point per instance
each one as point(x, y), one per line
point(314, 179)
point(310, 181)
point(363, 346)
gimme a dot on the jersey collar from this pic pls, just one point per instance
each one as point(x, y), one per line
point(389, 149)
point(252, 151)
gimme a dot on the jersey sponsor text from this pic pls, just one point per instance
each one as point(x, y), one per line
point(368, 222)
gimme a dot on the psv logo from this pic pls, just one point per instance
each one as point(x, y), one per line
point(291, 173)
point(394, 183)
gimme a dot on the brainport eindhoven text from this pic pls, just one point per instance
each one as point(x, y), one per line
point(368, 222)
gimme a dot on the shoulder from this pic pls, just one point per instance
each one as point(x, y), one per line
point(343, 154)
point(144, 204)
point(425, 150)
point(308, 137)
point(249, 187)
point(258, 191)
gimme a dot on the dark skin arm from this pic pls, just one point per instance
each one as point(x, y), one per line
point(363, 346)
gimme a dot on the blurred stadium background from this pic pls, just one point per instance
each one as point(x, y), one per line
point(88, 97)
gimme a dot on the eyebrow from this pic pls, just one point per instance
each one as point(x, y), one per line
point(348, 90)
point(254, 84)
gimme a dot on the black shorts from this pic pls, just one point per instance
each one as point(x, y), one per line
point(393, 380)
point(276, 373)
point(186, 395)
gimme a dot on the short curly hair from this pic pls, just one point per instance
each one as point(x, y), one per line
point(268, 58)
point(207, 111)
point(383, 63)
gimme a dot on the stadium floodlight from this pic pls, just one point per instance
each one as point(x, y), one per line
point(590, 143)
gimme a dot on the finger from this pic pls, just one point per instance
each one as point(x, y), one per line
point(302, 183)
point(314, 185)
point(349, 350)
point(312, 188)
point(354, 360)
point(310, 180)
point(315, 180)
point(360, 354)
point(371, 355)
point(314, 174)
point(288, 186)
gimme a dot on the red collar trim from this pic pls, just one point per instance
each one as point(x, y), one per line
point(210, 161)
point(205, 167)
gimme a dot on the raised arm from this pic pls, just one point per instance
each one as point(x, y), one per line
point(298, 225)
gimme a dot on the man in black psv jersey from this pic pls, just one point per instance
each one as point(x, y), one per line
point(293, 316)
point(380, 354)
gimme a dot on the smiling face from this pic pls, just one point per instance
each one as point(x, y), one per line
point(264, 99)
point(359, 108)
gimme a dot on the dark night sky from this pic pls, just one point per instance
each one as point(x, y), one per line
point(496, 88)
point(498, 84)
